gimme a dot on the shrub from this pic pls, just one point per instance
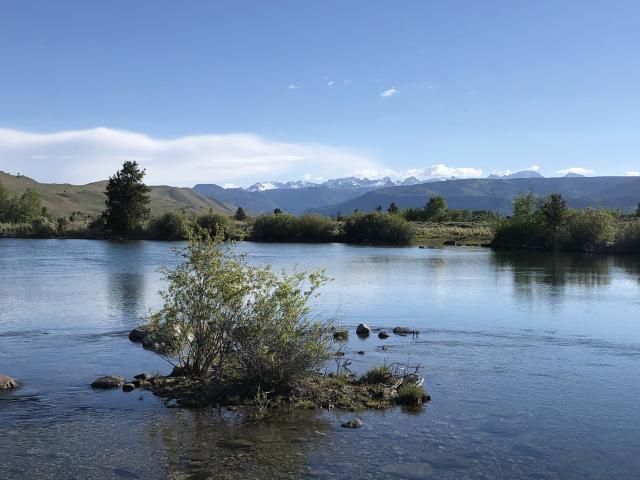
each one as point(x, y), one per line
point(376, 375)
point(628, 240)
point(410, 395)
point(170, 226)
point(377, 228)
point(586, 229)
point(284, 227)
point(232, 319)
point(216, 223)
point(42, 227)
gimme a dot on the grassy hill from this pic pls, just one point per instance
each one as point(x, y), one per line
point(64, 199)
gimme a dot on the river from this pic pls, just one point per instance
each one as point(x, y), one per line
point(532, 361)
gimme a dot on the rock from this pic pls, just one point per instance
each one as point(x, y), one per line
point(449, 243)
point(361, 352)
point(383, 335)
point(128, 387)
point(413, 471)
point(107, 382)
point(363, 330)
point(157, 342)
point(138, 333)
point(144, 376)
point(422, 246)
point(355, 423)
point(384, 347)
point(405, 331)
point(341, 335)
point(7, 383)
point(339, 354)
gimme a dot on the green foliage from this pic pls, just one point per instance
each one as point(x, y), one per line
point(284, 227)
point(219, 223)
point(170, 226)
point(377, 228)
point(628, 240)
point(393, 208)
point(436, 209)
point(127, 200)
point(410, 395)
point(233, 319)
point(20, 208)
point(588, 228)
point(240, 214)
point(525, 228)
point(553, 210)
point(376, 375)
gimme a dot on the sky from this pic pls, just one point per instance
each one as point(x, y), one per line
point(233, 92)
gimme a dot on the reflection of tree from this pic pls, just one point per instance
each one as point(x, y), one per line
point(216, 445)
point(555, 269)
point(630, 264)
point(126, 279)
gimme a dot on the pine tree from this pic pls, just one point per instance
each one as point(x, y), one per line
point(127, 200)
point(240, 214)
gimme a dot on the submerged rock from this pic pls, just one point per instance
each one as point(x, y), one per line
point(363, 330)
point(157, 342)
point(383, 335)
point(405, 331)
point(355, 423)
point(108, 382)
point(235, 443)
point(412, 471)
point(128, 387)
point(7, 383)
point(144, 376)
point(341, 335)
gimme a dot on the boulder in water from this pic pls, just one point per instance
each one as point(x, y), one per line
point(355, 423)
point(7, 383)
point(107, 382)
point(363, 330)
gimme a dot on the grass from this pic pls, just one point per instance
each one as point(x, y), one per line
point(376, 375)
point(464, 233)
point(410, 395)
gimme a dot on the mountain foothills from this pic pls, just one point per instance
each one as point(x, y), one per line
point(88, 200)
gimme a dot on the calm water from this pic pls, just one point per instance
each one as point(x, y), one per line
point(532, 362)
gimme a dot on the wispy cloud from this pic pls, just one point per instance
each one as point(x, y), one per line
point(293, 86)
point(632, 173)
point(347, 82)
point(577, 170)
point(389, 93)
point(88, 155)
point(330, 83)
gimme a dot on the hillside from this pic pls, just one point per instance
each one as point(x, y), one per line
point(64, 199)
point(497, 194)
point(293, 200)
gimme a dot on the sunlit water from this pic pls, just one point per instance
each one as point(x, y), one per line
point(532, 362)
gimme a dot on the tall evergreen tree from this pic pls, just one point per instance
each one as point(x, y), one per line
point(127, 199)
point(240, 214)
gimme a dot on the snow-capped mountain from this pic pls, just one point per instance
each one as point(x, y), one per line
point(520, 174)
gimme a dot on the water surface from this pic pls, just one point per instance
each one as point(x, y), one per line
point(532, 361)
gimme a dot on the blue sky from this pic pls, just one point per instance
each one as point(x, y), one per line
point(199, 91)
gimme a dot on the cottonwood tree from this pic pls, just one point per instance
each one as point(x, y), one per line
point(127, 200)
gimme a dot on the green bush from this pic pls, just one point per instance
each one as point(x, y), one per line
point(410, 395)
point(215, 223)
point(628, 240)
point(170, 226)
point(239, 323)
point(586, 229)
point(377, 228)
point(284, 227)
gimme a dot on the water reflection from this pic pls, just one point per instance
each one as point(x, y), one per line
point(126, 280)
point(212, 444)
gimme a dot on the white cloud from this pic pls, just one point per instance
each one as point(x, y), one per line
point(389, 93)
point(293, 86)
point(632, 173)
point(330, 83)
point(439, 171)
point(578, 170)
point(88, 155)
point(347, 82)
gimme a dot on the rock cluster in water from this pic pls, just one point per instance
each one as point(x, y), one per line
point(152, 340)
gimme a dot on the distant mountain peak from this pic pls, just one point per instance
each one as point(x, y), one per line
point(574, 175)
point(520, 174)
